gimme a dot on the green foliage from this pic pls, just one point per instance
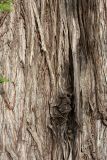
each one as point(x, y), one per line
point(2, 79)
point(6, 5)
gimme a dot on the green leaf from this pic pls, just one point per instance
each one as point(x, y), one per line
point(2, 79)
point(6, 5)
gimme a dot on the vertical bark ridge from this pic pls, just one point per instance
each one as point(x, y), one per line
point(55, 53)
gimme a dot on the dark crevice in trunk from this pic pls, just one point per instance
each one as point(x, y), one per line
point(63, 117)
point(72, 117)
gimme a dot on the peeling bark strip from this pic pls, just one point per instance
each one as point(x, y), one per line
point(43, 45)
point(55, 54)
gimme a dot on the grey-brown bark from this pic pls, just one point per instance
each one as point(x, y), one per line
point(54, 52)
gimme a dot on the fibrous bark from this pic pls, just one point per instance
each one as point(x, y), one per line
point(54, 107)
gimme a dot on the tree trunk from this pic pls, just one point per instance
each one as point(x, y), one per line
point(55, 105)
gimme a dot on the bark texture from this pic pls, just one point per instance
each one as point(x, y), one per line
point(55, 54)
